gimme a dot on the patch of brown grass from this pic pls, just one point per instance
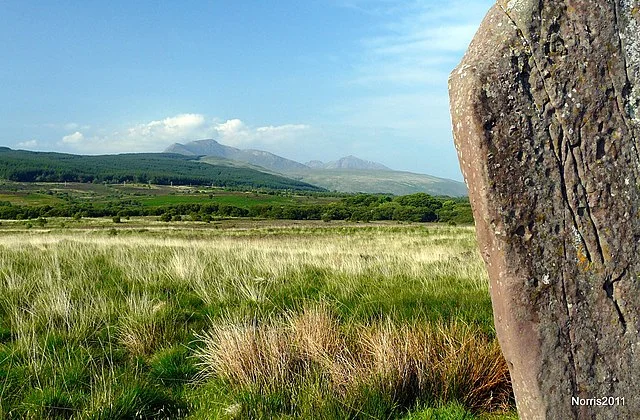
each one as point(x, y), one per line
point(419, 363)
point(248, 355)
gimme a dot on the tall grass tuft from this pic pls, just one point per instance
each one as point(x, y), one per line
point(418, 364)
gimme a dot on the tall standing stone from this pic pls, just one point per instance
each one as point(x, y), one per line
point(546, 119)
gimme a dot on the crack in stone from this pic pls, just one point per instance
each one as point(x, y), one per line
point(588, 208)
point(561, 164)
point(608, 286)
point(585, 194)
point(562, 158)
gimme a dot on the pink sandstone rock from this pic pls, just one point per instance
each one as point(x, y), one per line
point(547, 127)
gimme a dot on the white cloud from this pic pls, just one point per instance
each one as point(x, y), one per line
point(282, 129)
point(232, 132)
point(452, 37)
point(178, 127)
point(155, 136)
point(152, 136)
point(236, 133)
point(72, 126)
point(74, 138)
point(28, 144)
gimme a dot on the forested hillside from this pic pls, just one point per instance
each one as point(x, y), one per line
point(154, 168)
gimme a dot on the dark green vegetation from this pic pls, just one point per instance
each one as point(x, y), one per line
point(316, 321)
point(42, 200)
point(153, 168)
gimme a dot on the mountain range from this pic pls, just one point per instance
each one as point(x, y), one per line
point(211, 147)
point(348, 174)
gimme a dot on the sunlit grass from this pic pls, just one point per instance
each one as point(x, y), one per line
point(261, 321)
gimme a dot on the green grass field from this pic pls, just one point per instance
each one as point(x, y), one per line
point(148, 195)
point(28, 198)
point(243, 200)
point(246, 319)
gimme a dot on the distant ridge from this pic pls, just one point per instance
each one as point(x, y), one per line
point(348, 174)
point(380, 181)
point(349, 162)
point(210, 147)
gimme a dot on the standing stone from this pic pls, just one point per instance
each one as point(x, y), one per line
point(546, 119)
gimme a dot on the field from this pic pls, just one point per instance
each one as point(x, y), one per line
point(42, 201)
point(46, 193)
point(246, 319)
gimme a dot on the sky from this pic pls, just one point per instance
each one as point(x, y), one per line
point(305, 79)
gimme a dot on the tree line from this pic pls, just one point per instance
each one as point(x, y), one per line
point(418, 207)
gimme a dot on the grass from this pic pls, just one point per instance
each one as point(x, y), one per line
point(397, 366)
point(20, 193)
point(244, 200)
point(246, 320)
point(27, 198)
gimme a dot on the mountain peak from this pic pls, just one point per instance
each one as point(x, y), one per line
point(203, 147)
point(210, 147)
point(353, 162)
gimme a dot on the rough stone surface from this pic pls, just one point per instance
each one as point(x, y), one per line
point(545, 109)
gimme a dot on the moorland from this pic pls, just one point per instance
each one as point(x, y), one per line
point(242, 318)
point(163, 290)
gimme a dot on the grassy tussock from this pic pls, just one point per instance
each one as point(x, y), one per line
point(411, 364)
point(139, 331)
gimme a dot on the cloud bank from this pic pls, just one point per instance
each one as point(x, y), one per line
point(156, 135)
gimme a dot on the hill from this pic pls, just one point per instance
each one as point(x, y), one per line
point(220, 161)
point(348, 162)
point(380, 181)
point(155, 168)
point(211, 147)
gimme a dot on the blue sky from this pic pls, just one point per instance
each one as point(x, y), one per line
point(306, 79)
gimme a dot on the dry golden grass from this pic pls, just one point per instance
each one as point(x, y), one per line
point(448, 361)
